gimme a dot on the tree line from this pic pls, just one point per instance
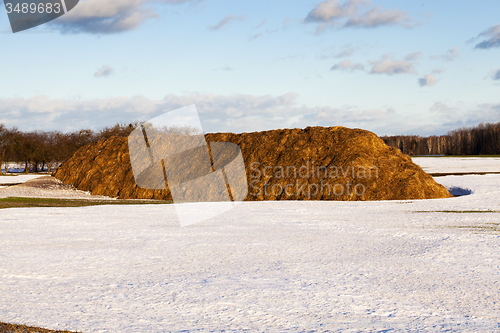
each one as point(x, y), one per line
point(41, 150)
point(483, 139)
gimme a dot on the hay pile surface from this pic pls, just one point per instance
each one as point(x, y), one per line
point(315, 163)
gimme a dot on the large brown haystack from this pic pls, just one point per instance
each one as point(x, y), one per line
point(315, 163)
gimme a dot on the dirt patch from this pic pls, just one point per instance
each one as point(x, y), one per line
point(47, 187)
point(47, 182)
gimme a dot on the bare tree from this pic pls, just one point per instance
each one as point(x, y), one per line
point(483, 139)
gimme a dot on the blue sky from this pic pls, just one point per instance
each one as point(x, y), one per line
point(391, 67)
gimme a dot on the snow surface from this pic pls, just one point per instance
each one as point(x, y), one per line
point(51, 191)
point(18, 179)
point(384, 266)
point(458, 164)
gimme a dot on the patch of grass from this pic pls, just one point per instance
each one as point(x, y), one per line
point(457, 211)
point(11, 328)
point(492, 227)
point(15, 202)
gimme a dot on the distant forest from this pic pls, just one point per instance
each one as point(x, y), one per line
point(40, 150)
point(483, 139)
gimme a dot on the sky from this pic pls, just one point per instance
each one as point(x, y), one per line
point(390, 67)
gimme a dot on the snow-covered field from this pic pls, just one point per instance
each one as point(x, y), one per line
point(393, 266)
point(458, 164)
point(5, 181)
point(18, 179)
point(28, 186)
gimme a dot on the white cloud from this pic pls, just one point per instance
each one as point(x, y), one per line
point(449, 55)
point(483, 113)
point(352, 116)
point(347, 65)
point(377, 17)
point(354, 13)
point(345, 53)
point(261, 24)
point(233, 113)
point(331, 52)
point(446, 117)
point(107, 17)
point(226, 20)
point(255, 36)
point(413, 56)
point(42, 112)
point(496, 75)
point(452, 54)
point(442, 108)
point(427, 81)
point(388, 66)
point(493, 41)
point(328, 11)
point(104, 71)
